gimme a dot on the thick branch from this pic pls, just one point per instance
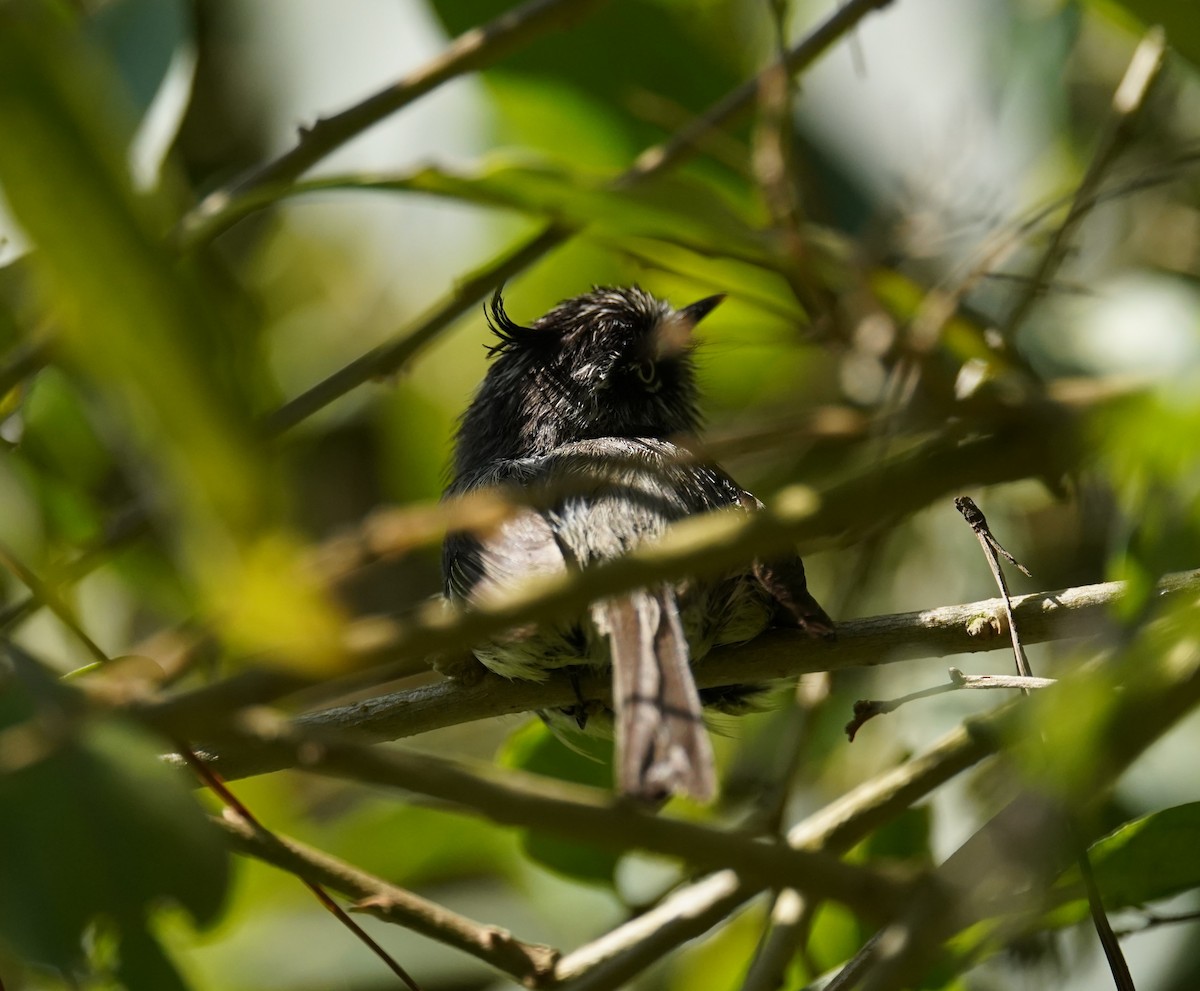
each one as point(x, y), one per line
point(584, 815)
point(975, 626)
point(618, 956)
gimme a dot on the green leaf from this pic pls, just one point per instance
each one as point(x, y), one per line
point(1146, 859)
point(1177, 17)
point(95, 826)
point(621, 52)
point(142, 37)
point(535, 748)
point(158, 342)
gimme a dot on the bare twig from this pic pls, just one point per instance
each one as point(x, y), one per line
point(991, 547)
point(45, 593)
point(865, 709)
point(235, 806)
point(528, 963)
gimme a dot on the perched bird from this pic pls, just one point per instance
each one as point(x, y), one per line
point(587, 402)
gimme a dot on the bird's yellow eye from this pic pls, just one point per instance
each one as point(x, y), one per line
point(647, 371)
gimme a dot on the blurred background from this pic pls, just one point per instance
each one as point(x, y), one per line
point(876, 229)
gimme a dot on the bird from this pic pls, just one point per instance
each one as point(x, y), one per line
point(590, 405)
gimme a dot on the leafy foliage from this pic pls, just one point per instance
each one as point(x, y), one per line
point(883, 348)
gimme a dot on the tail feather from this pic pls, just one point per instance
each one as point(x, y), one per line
point(662, 745)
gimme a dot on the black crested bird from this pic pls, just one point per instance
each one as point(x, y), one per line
point(586, 402)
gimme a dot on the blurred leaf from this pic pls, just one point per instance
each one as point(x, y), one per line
point(907, 837)
point(130, 318)
point(424, 846)
point(97, 826)
point(535, 748)
point(1146, 859)
point(1177, 18)
point(718, 961)
point(142, 36)
point(561, 123)
point(149, 336)
point(835, 936)
point(687, 54)
point(1147, 447)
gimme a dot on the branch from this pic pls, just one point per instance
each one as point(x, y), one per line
point(392, 354)
point(1002, 871)
point(866, 709)
point(530, 964)
point(616, 957)
point(975, 626)
point(475, 49)
point(583, 814)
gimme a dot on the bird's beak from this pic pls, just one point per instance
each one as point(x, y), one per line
point(701, 308)
point(674, 333)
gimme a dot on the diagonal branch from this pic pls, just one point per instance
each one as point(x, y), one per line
point(391, 355)
point(583, 814)
point(475, 49)
point(527, 963)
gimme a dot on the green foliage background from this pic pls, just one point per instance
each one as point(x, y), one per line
point(151, 499)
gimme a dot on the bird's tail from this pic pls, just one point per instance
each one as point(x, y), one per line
point(662, 745)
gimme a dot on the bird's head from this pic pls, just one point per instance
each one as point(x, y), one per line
point(614, 362)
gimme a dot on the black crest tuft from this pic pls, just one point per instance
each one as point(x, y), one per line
point(512, 335)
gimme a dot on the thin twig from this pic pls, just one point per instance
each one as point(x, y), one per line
point(991, 548)
point(528, 963)
point(235, 805)
point(45, 593)
point(865, 709)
